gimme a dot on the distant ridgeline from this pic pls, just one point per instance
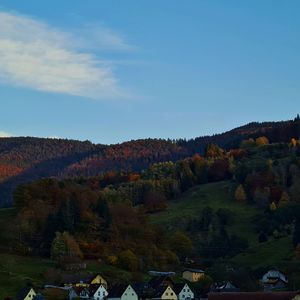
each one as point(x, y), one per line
point(25, 159)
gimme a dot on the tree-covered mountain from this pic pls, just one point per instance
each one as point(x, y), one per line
point(220, 210)
point(23, 159)
point(201, 211)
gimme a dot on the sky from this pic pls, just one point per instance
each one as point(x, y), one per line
point(110, 70)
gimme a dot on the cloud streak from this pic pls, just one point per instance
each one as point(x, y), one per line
point(37, 56)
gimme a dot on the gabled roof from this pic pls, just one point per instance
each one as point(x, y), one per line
point(253, 296)
point(225, 286)
point(117, 290)
point(78, 289)
point(272, 275)
point(23, 293)
point(159, 291)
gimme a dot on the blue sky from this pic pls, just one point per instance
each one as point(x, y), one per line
point(111, 71)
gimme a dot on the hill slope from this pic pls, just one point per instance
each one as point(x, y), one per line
point(23, 159)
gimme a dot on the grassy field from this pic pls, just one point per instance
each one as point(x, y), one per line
point(16, 271)
point(215, 195)
point(274, 253)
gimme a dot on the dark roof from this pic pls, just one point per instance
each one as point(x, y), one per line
point(23, 293)
point(177, 288)
point(253, 296)
point(194, 270)
point(93, 288)
point(39, 297)
point(117, 290)
point(78, 289)
point(225, 286)
point(159, 291)
point(140, 288)
point(157, 281)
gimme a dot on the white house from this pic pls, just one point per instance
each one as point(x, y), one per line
point(183, 291)
point(97, 292)
point(122, 292)
point(165, 293)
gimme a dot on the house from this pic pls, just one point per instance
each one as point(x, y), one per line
point(183, 291)
point(224, 287)
point(192, 275)
point(83, 280)
point(97, 292)
point(122, 292)
point(164, 293)
point(78, 292)
point(274, 280)
point(26, 293)
point(254, 296)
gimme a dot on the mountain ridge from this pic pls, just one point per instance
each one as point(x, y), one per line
point(24, 159)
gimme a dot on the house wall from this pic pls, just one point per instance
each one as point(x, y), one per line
point(100, 294)
point(129, 294)
point(186, 293)
point(30, 295)
point(192, 276)
point(169, 294)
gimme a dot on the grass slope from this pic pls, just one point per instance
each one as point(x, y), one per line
point(215, 195)
point(16, 271)
point(274, 253)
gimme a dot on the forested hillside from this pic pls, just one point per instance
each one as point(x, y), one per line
point(25, 159)
point(223, 208)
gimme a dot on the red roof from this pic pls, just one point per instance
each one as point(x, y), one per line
point(253, 296)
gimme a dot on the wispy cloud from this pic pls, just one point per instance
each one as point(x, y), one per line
point(99, 37)
point(38, 56)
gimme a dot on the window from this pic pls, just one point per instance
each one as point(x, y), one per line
point(167, 294)
point(172, 294)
